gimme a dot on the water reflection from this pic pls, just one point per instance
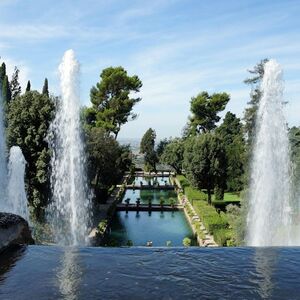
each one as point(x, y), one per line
point(265, 260)
point(8, 260)
point(70, 275)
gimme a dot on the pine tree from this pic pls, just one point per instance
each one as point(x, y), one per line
point(255, 95)
point(15, 87)
point(112, 99)
point(28, 87)
point(45, 88)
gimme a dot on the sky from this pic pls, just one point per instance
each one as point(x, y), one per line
point(178, 48)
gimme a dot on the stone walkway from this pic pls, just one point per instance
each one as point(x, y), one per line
point(208, 241)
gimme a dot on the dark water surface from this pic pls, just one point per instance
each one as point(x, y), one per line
point(40, 272)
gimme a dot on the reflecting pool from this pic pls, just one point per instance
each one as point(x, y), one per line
point(161, 228)
point(154, 195)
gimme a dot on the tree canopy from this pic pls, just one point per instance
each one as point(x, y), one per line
point(15, 87)
point(205, 109)
point(147, 148)
point(173, 155)
point(107, 160)
point(231, 132)
point(29, 116)
point(45, 90)
point(205, 162)
point(161, 147)
point(28, 86)
point(112, 100)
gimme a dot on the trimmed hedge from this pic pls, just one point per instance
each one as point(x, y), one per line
point(209, 216)
point(216, 224)
point(191, 193)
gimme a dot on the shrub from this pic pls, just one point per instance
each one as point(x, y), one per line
point(216, 224)
point(102, 226)
point(221, 236)
point(219, 193)
point(187, 242)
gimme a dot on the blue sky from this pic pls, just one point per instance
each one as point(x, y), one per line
point(177, 47)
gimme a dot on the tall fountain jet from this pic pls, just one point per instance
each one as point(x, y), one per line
point(69, 211)
point(269, 214)
point(17, 200)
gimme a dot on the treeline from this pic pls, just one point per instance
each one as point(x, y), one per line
point(214, 156)
point(28, 116)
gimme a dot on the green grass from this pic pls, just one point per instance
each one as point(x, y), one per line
point(195, 194)
point(228, 198)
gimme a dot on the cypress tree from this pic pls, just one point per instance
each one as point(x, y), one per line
point(15, 87)
point(6, 92)
point(28, 87)
point(45, 88)
point(2, 73)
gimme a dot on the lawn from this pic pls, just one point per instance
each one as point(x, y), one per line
point(233, 198)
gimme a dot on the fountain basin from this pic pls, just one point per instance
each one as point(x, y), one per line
point(43, 272)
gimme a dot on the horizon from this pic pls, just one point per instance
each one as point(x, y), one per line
point(174, 59)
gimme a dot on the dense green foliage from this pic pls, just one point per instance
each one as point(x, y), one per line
point(294, 137)
point(205, 162)
point(231, 132)
point(111, 99)
point(205, 109)
point(112, 107)
point(4, 89)
point(28, 86)
point(45, 90)
point(147, 148)
point(15, 87)
point(160, 148)
point(173, 155)
point(29, 116)
point(6, 93)
point(107, 161)
point(2, 73)
point(237, 217)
